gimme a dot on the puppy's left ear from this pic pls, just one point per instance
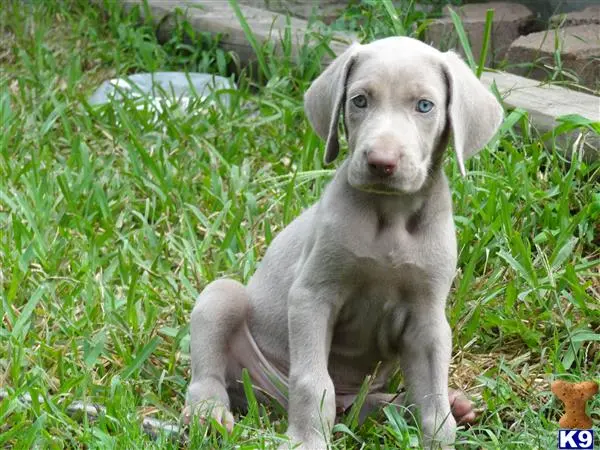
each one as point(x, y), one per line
point(474, 112)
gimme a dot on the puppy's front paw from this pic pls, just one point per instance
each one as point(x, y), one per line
point(206, 409)
point(439, 433)
point(296, 442)
point(433, 444)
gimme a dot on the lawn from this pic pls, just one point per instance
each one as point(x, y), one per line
point(112, 220)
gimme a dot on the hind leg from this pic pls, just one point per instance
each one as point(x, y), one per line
point(461, 407)
point(219, 312)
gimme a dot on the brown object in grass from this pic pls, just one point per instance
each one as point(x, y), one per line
point(575, 397)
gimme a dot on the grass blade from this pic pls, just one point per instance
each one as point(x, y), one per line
point(142, 356)
point(487, 33)
point(20, 329)
point(260, 56)
point(463, 38)
point(393, 15)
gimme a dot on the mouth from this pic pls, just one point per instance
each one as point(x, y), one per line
point(406, 180)
point(380, 188)
point(394, 185)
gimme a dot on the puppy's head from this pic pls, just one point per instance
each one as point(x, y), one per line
point(400, 98)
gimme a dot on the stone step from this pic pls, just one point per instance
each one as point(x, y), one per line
point(510, 21)
point(534, 55)
point(327, 10)
point(545, 103)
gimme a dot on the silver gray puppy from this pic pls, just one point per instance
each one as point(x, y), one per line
point(361, 277)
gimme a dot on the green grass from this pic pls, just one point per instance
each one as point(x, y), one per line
point(111, 223)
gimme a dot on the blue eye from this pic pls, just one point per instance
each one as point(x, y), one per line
point(424, 106)
point(360, 101)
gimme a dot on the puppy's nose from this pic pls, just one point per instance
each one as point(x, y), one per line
point(381, 164)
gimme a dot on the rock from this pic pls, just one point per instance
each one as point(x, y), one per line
point(172, 86)
point(510, 21)
point(544, 9)
point(534, 55)
point(326, 10)
point(589, 15)
point(545, 104)
point(153, 92)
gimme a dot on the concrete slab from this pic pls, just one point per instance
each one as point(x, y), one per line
point(545, 103)
point(579, 48)
point(510, 21)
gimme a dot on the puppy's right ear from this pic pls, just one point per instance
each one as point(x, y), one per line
point(323, 100)
point(474, 112)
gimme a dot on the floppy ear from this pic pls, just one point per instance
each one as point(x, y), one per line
point(323, 100)
point(474, 112)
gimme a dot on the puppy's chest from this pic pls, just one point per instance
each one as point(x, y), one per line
point(395, 256)
point(371, 322)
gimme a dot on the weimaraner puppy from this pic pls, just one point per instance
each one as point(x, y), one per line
point(360, 279)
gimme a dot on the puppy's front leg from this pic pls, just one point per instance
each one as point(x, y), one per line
point(311, 398)
point(425, 359)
